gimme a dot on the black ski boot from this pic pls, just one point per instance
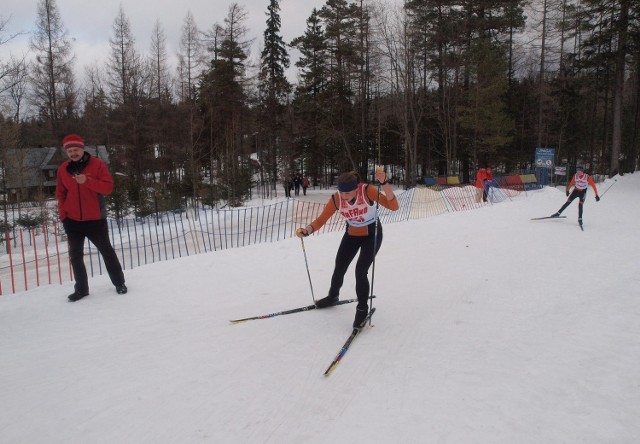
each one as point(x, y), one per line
point(361, 314)
point(77, 295)
point(326, 302)
point(121, 289)
point(555, 214)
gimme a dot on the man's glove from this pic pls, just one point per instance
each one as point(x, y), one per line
point(567, 193)
point(597, 198)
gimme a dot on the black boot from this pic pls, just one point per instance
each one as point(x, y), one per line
point(326, 302)
point(361, 314)
point(556, 214)
point(121, 289)
point(77, 295)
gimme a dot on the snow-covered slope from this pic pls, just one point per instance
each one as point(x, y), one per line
point(490, 328)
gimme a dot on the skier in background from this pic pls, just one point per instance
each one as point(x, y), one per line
point(579, 181)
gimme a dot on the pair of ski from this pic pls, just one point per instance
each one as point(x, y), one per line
point(345, 347)
point(556, 217)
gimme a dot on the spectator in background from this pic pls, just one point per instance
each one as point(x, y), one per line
point(488, 183)
point(297, 183)
point(81, 185)
point(286, 183)
point(305, 185)
point(489, 177)
point(481, 177)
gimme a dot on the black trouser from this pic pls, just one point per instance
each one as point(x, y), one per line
point(575, 193)
point(97, 232)
point(346, 252)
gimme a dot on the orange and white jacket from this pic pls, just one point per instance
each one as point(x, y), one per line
point(581, 181)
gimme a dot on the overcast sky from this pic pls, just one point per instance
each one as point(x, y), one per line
point(90, 23)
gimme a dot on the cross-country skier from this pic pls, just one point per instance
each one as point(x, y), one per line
point(579, 181)
point(356, 203)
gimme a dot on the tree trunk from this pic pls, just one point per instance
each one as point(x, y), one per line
point(616, 141)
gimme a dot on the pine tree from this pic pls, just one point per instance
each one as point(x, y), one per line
point(222, 100)
point(274, 89)
point(309, 95)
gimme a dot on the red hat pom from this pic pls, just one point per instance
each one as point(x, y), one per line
point(73, 141)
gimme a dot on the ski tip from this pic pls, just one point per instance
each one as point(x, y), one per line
point(331, 368)
point(548, 217)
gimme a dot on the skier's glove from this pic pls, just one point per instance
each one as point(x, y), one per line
point(303, 232)
point(567, 193)
point(597, 198)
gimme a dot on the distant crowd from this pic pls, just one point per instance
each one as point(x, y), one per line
point(295, 183)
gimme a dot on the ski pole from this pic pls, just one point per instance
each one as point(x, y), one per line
point(614, 182)
point(375, 248)
point(306, 263)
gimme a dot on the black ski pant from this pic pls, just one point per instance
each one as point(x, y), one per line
point(576, 193)
point(349, 247)
point(97, 232)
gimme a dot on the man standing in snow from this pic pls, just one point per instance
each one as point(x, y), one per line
point(580, 180)
point(81, 185)
point(356, 203)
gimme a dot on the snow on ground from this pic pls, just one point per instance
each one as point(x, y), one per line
point(490, 328)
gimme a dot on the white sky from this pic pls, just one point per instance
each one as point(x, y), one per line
point(490, 328)
point(90, 22)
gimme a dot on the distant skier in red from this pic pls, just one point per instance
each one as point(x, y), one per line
point(579, 181)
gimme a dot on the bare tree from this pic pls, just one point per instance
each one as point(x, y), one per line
point(189, 57)
point(53, 81)
point(95, 105)
point(18, 82)
point(158, 61)
point(6, 68)
point(406, 82)
point(124, 64)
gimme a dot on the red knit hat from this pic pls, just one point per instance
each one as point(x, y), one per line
point(73, 141)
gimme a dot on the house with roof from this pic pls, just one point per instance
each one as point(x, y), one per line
point(30, 173)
